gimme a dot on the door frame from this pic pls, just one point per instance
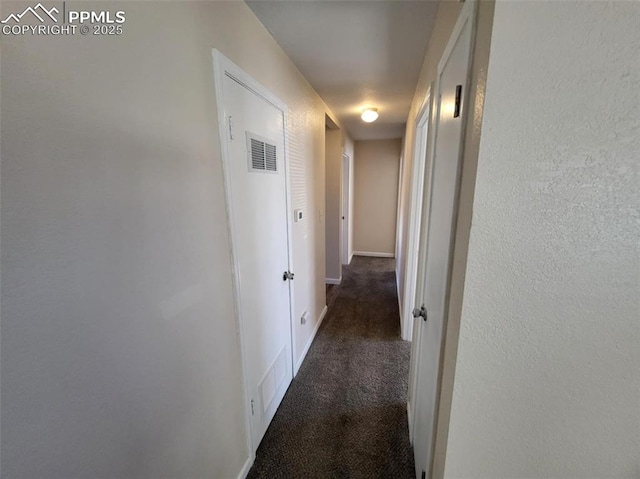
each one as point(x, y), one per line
point(224, 67)
point(346, 197)
point(420, 157)
point(467, 16)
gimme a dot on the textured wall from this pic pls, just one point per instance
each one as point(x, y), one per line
point(376, 171)
point(120, 355)
point(547, 382)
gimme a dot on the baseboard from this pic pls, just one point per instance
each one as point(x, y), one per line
point(333, 280)
point(245, 469)
point(410, 422)
point(350, 257)
point(374, 254)
point(399, 304)
point(311, 338)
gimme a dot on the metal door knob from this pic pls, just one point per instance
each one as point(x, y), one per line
point(420, 312)
point(287, 275)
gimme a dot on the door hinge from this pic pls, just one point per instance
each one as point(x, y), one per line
point(252, 411)
point(230, 128)
point(456, 110)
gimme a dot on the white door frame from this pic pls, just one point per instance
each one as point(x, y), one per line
point(222, 67)
point(346, 194)
point(467, 16)
point(420, 155)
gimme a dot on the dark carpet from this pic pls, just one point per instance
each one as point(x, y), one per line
point(344, 415)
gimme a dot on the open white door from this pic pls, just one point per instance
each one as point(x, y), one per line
point(414, 270)
point(438, 234)
point(253, 138)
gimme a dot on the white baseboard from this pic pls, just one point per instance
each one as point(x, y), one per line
point(333, 280)
point(374, 254)
point(311, 338)
point(410, 422)
point(399, 303)
point(245, 469)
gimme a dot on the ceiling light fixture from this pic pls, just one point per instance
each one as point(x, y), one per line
point(370, 115)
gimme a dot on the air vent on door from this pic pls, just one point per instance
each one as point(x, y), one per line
point(261, 155)
point(270, 157)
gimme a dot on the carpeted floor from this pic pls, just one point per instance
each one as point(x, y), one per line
point(344, 415)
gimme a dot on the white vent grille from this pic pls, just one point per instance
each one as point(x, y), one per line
point(257, 154)
point(270, 157)
point(262, 156)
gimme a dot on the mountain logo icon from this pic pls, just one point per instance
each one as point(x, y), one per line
point(38, 11)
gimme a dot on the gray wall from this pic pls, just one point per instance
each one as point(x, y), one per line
point(120, 357)
point(547, 383)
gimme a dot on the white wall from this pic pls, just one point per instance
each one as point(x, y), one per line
point(547, 383)
point(376, 171)
point(120, 355)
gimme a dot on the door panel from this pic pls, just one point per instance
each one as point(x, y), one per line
point(260, 242)
point(437, 240)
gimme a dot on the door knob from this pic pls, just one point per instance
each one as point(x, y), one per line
point(420, 312)
point(287, 275)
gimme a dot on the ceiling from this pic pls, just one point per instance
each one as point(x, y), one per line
point(356, 54)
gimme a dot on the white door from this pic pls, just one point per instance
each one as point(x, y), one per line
point(257, 199)
point(452, 83)
point(414, 270)
point(345, 209)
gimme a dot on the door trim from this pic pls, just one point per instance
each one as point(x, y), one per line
point(223, 67)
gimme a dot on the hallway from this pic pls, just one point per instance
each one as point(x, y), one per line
point(344, 414)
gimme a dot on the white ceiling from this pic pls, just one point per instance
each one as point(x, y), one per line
point(356, 54)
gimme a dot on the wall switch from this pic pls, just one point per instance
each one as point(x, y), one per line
point(298, 215)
